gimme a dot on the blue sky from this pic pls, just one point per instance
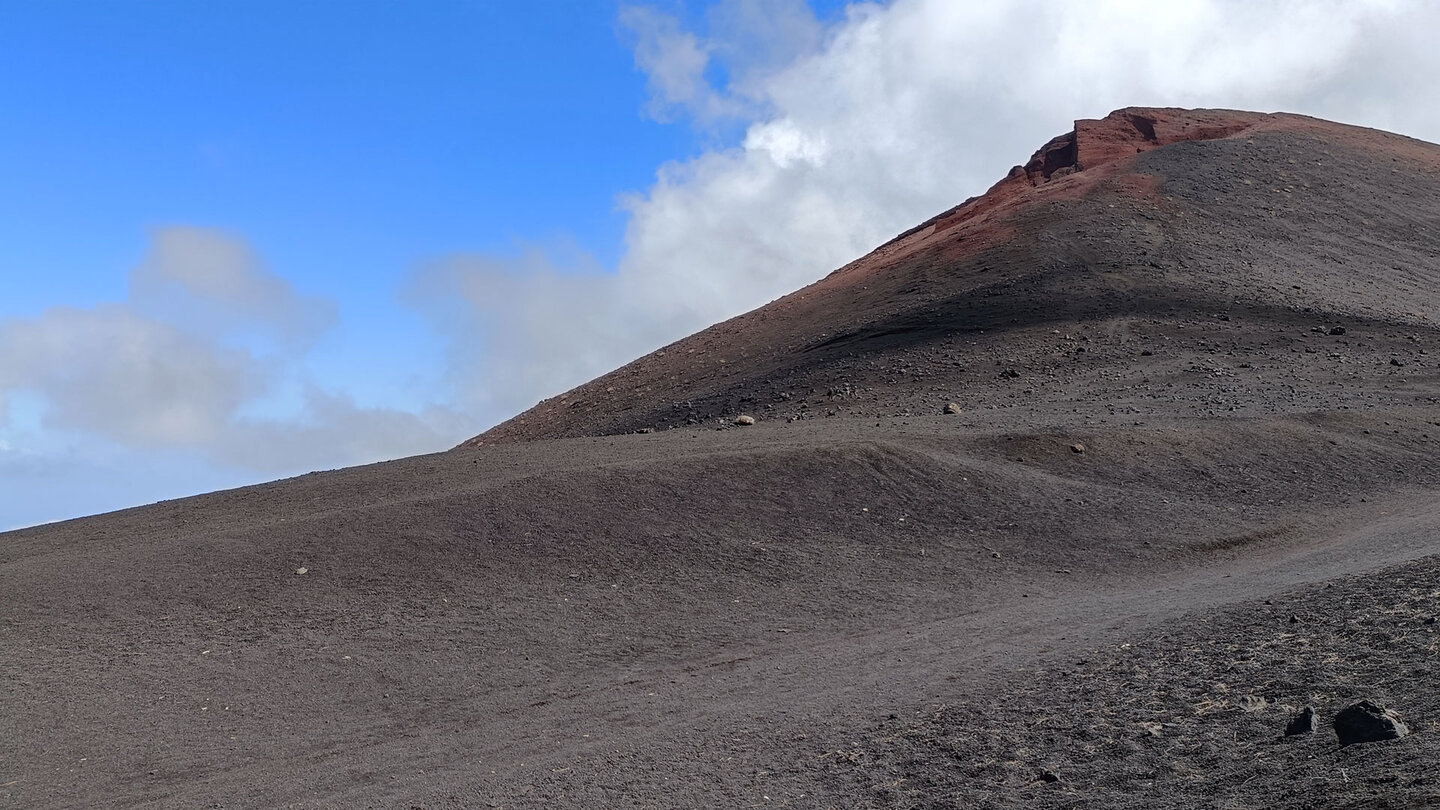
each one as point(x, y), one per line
point(241, 240)
point(344, 140)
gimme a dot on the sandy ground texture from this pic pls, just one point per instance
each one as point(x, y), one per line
point(1191, 488)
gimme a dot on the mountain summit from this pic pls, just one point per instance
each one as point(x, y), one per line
point(1122, 257)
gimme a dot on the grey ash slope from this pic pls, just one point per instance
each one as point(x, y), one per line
point(882, 608)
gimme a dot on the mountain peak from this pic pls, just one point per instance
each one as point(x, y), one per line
point(1154, 216)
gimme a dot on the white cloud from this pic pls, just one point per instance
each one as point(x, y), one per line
point(114, 372)
point(162, 371)
point(853, 132)
point(212, 281)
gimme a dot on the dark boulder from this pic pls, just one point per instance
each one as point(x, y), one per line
point(1366, 722)
point(1303, 723)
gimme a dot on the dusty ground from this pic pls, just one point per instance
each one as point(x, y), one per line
point(859, 601)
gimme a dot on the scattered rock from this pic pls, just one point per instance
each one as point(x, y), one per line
point(952, 408)
point(646, 430)
point(1147, 353)
point(743, 419)
point(302, 570)
point(1010, 374)
point(1294, 619)
point(1365, 722)
point(995, 554)
point(1337, 330)
point(1395, 361)
point(1049, 776)
point(1253, 703)
point(1077, 448)
point(1306, 722)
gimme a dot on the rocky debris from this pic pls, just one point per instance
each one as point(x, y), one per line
point(1365, 722)
point(1336, 330)
point(1010, 374)
point(1049, 776)
point(743, 419)
point(302, 570)
point(1395, 361)
point(1305, 722)
point(1077, 448)
point(952, 409)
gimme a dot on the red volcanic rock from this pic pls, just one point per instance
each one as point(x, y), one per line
point(1093, 146)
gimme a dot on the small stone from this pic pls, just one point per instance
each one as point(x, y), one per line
point(1306, 722)
point(1252, 703)
point(1365, 722)
point(1077, 448)
point(1395, 361)
point(1337, 330)
point(302, 570)
point(952, 408)
point(1010, 374)
point(1294, 619)
point(995, 554)
point(1049, 776)
point(1147, 353)
point(743, 419)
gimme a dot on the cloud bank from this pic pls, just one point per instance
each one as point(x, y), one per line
point(846, 133)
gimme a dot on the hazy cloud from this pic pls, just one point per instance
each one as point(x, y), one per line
point(214, 282)
point(116, 373)
point(855, 130)
point(165, 370)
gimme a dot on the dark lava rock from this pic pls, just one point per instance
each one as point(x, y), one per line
point(1303, 723)
point(1337, 330)
point(1366, 722)
point(1049, 776)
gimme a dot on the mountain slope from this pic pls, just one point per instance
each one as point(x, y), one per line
point(1187, 234)
point(1179, 504)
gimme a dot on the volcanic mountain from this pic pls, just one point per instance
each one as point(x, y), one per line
point(1071, 496)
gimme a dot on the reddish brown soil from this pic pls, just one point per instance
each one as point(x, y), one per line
point(859, 601)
